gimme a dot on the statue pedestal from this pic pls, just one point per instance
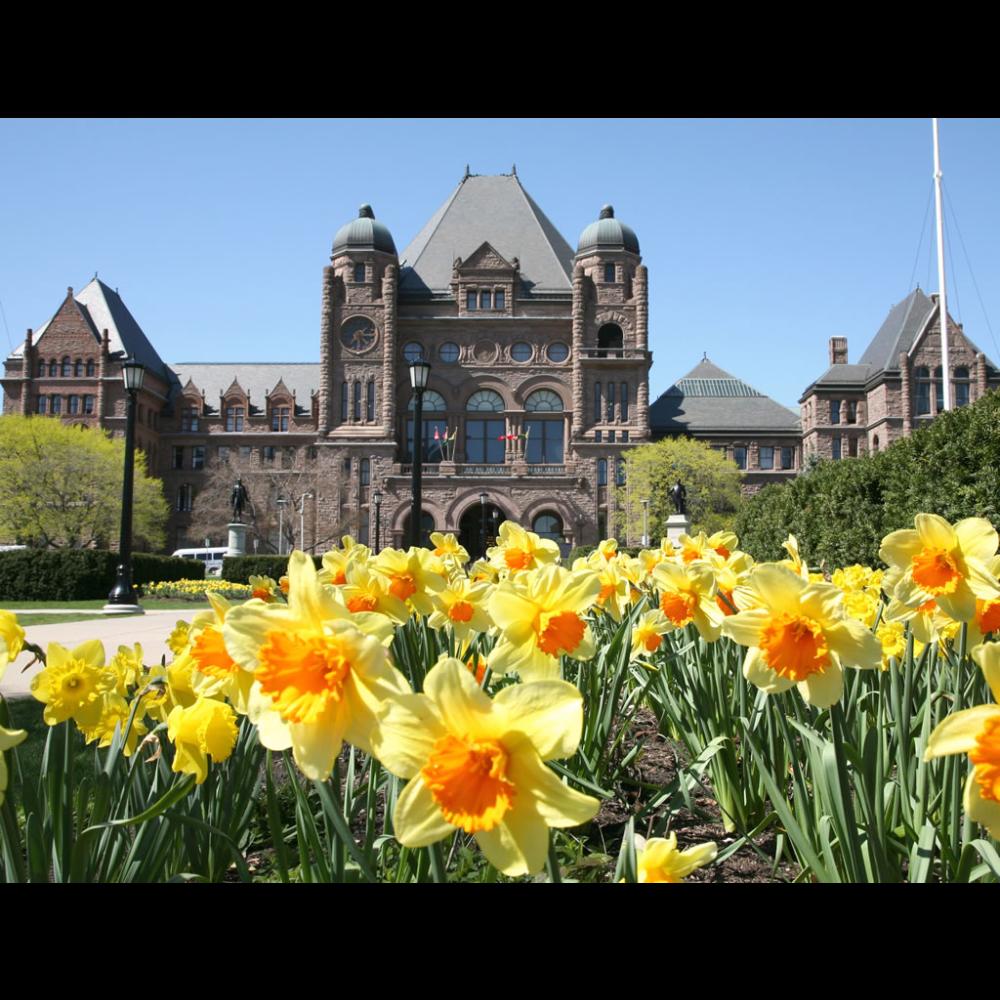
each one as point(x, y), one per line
point(237, 540)
point(677, 525)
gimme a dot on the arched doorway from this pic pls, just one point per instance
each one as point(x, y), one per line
point(470, 528)
point(610, 340)
point(426, 527)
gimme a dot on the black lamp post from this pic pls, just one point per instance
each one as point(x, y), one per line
point(419, 373)
point(377, 500)
point(122, 596)
point(482, 523)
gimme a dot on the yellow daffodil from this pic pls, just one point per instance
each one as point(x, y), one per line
point(476, 764)
point(115, 711)
point(178, 638)
point(798, 635)
point(701, 546)
point(336, 561)
point(648, 633)
point(9, 738)
point(794, 562)
point(461, 607)
point(320, 678)
point(942, 563)
point(72, 684)
point(658, 860)
point(447, 547)
point(264, 588)
point(517, 550)
point(205, 729)
point(687, 596)
point(412, 577)
point(730, 573)
point(607, 549)
point(128, 668)
point(11, 639)
point(976, 732)
point(539, 615)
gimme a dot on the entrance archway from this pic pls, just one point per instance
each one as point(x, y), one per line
point(470, 528)
point(426, 527)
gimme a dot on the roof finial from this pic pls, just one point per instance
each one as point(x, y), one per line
point(468, 173)
point(95, 276)
point(513, 170)
point(704, 355)
point(69, 292)
point(365, 212)
point(607, 212)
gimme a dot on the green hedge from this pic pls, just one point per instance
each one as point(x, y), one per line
point(239, 569)
point(81, 574)
point(840, 511)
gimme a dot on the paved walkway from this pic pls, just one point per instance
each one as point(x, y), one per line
point(150, 630)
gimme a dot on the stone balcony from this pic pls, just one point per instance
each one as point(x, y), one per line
point(511, 470)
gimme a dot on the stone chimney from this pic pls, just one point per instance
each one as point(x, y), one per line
point(838, 350)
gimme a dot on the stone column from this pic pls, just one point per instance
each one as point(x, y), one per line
point(27, 372)
point(579, 311)
point(103, 373)
point(906, 392)
point(390, 291)
point(326, 350)
point(980, 376)
point(641, 292)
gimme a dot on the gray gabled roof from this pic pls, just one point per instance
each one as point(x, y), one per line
point(710, 400)
point(103, 309)
point(905, 321)
point(494, 209)
point(256, 380)
point(845, 375)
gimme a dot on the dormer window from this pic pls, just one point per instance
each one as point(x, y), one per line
point(484, 299)
point(234, 418)
point(498, 299)
point(279, 418)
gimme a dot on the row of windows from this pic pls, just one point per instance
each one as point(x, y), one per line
point(267, 455)
point(486, 400)
point(611, 436)
point(960, 387)
point(236, 420)
point(602, 471)
point(347, 394)
point(766, 457)
point(74, 404)
point(486, 441)
point(521, 351)
point(607, 411)
point(485, 298)
point(67, 368)
point(852, 447)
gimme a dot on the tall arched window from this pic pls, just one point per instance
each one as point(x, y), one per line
point(485, 437)
point(610, 339)
point(923, 377)
point(961, 386)
point(370, 403)
point(53, 368)
point(623, 402)
point(357, 400)
point(91, 368)
point(611, 401)
point(435, 428)
point(343, 402)
point(366, 471)
point(67, 367)
point(41, 369)
point(78, 368)
point(545, 436)
point(597, 403)
point(602, 472)
point(939, 389)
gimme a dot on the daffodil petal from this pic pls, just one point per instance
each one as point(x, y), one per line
point(758, 673)
point(988, 657)
point(980, 810)
point(957, 733)
point(512, 846)
point(935, 532)
point(407, 729)
point(417, 820)
point(548, 713)
point(557, 803)
point(824, 688)
point(462, 703)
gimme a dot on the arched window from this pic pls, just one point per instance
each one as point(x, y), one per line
point(91, 368)
point(53, 368)
point(939, 389)
point(370, 403)
point(548, 525)
point(366, 471)
point(78, 368)
point(611, 401)
point(602, 472)
point(543, 401)
point(41, 368)
point(433, 402)
point(623, 404)
point(357, 400)
point(923, 377)
point(875, 443)
point(343, 402)
point(67, 367)
point(610, 337)
point(961, 386)
point(485, 400)
point(56, 404)
point(43, 404)
point(74, 404)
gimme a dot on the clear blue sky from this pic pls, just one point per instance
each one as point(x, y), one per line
point(763, 238)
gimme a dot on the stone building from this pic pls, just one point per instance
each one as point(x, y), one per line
point(760, 435)
point(540, 378)
point(897, 385)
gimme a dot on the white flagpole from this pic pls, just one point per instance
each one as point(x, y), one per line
point(942, 297)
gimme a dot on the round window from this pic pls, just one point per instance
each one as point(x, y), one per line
point(558, 352)
point(413, 352)
point(449, 353)
point(521, 351)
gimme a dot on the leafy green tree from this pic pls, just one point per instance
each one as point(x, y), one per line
point(61, 487)
point(712, 482)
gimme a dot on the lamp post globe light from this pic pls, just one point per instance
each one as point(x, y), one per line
point(420, 371)
point(377, 501)
point(122, 596)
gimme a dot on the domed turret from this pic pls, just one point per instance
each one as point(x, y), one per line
point(364, 233)
point(608, 234)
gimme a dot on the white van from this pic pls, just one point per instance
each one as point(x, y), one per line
point(212, 558)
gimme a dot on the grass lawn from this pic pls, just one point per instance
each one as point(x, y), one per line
point(149, 603)
point(26, 713)
point(26, 621)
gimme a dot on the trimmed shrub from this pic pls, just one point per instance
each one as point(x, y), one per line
point(239, 569)
point(80, 574)
point(840, 511)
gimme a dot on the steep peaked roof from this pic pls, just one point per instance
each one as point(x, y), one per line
point(104, 309)
point(709, 399)
point(905, 321)
point(484, 208)
point(256, 380)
